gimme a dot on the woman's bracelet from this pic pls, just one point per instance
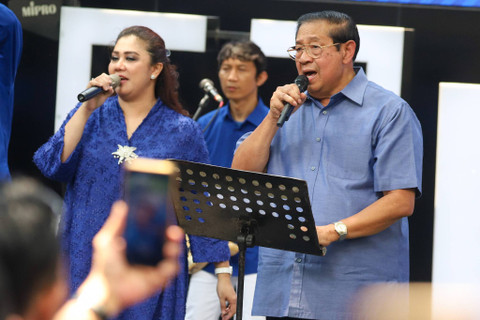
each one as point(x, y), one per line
point(228, 270)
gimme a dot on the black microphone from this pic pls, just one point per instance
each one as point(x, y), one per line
point(302, 83)
point(207, 86)
point(91, 92)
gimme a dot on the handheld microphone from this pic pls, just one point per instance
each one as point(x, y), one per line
point(207, 86)
point(302, 83)
point(91, 92)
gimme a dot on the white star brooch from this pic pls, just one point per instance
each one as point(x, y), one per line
point(125, 153)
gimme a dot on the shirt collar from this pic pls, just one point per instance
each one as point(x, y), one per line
point(355, 89)
point(256, 117)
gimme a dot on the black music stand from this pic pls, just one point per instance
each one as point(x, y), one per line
point(248, 208)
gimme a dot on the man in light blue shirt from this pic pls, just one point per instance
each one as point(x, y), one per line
point(360, 149)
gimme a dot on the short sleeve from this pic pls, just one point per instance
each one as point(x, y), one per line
point(398, 152)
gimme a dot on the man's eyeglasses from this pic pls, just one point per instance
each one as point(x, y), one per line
point(313, 50)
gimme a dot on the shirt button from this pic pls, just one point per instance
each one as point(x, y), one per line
point(298, 260)
point(313, 168)
point(324, 112)
point(318, 139)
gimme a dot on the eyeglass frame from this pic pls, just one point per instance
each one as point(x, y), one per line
point(307, 49)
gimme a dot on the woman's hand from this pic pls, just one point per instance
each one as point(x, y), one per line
point(105, 82)
point(227, 296)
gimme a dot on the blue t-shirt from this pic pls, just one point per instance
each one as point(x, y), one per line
point(365, 141)
point(10, 52)
point(221, 137)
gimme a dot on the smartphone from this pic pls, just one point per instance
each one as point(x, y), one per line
point(148, 190)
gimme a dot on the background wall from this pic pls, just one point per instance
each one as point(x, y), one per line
point(446, 47)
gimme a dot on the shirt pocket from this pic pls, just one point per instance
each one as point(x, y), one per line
point(349, 157)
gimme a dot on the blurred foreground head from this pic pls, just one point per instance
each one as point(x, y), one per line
point(32, 284)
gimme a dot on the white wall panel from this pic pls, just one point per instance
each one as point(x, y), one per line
point(456, 257)
point(456, 240)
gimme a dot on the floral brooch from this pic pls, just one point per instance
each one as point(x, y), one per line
point(125, 153)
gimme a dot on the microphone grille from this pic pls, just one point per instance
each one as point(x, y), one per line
point(115, 80)
point(302, 82)
point(205, 82)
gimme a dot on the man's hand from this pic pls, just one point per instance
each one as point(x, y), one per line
point(327, 234)
point(286, 94)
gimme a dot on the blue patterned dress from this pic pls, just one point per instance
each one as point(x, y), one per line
point(93, 178)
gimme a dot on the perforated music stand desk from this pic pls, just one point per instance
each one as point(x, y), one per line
point(248, 208)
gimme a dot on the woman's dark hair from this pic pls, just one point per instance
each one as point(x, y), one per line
point(166, 87)
point(345, 28)
point(244, 51)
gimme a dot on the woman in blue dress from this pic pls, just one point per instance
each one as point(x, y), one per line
point(145, 119)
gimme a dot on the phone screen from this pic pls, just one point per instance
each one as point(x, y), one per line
point(150, 210)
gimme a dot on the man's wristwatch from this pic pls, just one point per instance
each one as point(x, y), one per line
point(228, 270)
point(341, 229)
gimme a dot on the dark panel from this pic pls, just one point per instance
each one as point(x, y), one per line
point(35, 85)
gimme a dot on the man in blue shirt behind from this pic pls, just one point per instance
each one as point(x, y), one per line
point(242, 70)
point(360, 149)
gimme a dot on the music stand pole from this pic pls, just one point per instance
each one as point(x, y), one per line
point(241, 275)
point(244, 241)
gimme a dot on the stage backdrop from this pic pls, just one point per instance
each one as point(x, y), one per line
point(381, 53)
point(443, 50)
